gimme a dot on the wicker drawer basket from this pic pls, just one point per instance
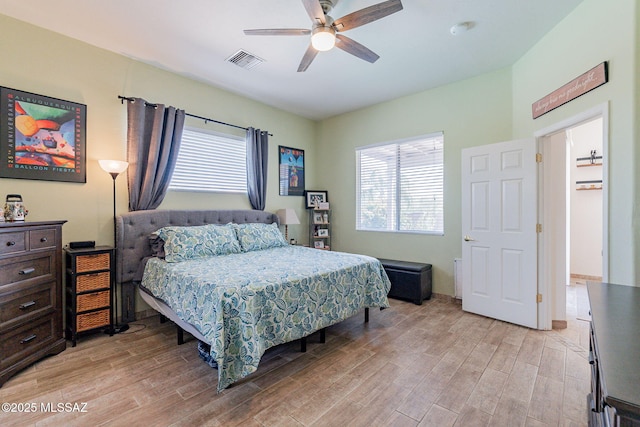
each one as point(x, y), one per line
point(92, 320)
point(89, 282)
point(92, 301)
point(92, 262)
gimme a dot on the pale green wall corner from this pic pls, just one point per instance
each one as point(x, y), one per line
point(39, 61)
point(497, 107)
point(472, 112)
point(596, 31)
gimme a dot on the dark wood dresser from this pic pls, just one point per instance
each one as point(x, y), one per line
point(30, 294)
point(614, 355)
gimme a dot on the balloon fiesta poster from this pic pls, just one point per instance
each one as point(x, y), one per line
point(41, 138)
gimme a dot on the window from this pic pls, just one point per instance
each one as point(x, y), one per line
point(210, 161)
point(400, 186)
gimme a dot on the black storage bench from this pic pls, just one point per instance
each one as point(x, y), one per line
point(409, 280)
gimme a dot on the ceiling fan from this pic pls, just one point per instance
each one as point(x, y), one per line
point(325, 32)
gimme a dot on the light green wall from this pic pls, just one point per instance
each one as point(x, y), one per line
point(634, 87)
point(596, 31)
point(471, 112)
point(489, 108)
point(39, 61)
point(493, 108)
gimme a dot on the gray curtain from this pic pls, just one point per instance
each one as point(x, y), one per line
point(154, 133)
point(257, 156)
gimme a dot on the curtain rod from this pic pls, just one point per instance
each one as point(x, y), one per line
point(124, 98)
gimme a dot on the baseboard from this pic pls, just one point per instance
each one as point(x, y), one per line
point(143, 314)
point(585, 277)
point(446, 298)
point(558, 324)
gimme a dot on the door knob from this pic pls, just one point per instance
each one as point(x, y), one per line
point(469, 239)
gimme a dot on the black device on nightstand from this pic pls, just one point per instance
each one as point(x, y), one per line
point(89, 284)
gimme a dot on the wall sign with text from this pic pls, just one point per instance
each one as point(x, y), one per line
point(597, 76)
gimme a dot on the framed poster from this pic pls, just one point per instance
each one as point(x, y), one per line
point(291, 161)
point(41, 137)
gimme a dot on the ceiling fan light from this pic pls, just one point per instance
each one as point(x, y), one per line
point(323, 39)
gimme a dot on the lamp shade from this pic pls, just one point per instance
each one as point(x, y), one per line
point(113, 166)
point(288, 216)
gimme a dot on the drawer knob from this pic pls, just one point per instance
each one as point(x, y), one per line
point(11, 243)
point(44, 239)
point(28, 339)
point(27, 305)
point(27, 271)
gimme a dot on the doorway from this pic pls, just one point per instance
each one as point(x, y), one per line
point(573, 212)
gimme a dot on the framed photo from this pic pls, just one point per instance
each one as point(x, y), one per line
point(317, 218)
point(42, 138)
point(318, 244)
point(314, 198)
point(291, 162)
point(323, 232)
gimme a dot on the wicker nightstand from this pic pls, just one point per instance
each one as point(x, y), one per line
point(89, 280)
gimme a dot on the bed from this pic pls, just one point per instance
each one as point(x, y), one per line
point(230, 279)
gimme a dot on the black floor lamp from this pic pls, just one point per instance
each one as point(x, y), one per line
point(115, 168)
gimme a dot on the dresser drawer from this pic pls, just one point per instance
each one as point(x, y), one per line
point(40, 239)
point(89, 282)
point(28, 267)
point(12, 243)
point(86, 302)
point(21, 342)
point(95, 319)
point(16, 305)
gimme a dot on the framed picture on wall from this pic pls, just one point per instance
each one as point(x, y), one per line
point(291, 162)
point(315, 198)
point(41, 138)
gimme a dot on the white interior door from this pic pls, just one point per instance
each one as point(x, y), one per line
point(499, 248)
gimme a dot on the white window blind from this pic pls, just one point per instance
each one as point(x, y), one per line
point(400, 186)
point(210, 161)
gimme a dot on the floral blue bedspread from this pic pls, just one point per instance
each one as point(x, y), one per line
point(246, 303)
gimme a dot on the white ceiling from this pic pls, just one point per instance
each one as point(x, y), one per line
point(195, 37)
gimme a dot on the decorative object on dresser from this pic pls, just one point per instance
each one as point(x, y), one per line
point(287, 217)
point(614, 355)
point(320, 228)
point(89, 280)
point(409, 280)
point(30, 294)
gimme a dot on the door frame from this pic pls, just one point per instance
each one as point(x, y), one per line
point(545, 246)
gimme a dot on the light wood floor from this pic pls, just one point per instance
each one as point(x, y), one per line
point(429, 365)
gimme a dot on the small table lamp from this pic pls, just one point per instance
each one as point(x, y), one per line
point(115, 168)
point(287, 216)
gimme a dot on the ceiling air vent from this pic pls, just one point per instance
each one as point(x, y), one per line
point(244, 59)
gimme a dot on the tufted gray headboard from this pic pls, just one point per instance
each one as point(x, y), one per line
point(133, 230)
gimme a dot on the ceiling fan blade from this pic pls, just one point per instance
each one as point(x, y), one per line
point(308, 57)
point(353, 47)
point(278, 32)
point(314, 9)
point(368, 14)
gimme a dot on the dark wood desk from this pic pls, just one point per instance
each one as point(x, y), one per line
point(615, 355)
